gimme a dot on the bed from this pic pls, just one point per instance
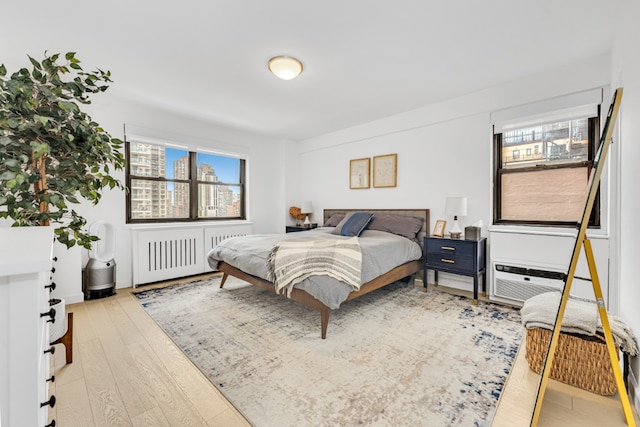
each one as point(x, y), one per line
point(390, 247)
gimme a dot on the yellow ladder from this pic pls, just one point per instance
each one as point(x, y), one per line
point(582, 241)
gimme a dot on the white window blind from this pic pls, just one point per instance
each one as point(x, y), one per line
point(575, 105)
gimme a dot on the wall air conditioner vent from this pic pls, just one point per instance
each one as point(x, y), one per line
point(519, 283)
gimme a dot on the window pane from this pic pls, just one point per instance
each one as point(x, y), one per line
point(222, 201)
point(559, 142)
point(156, 200)
point(155, 161)
point(216, 168)
point(546, 195)
point(180, 199)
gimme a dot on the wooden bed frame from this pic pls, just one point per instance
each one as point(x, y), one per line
point(402, 271)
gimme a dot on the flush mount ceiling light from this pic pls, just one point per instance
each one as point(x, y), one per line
point(285, 67)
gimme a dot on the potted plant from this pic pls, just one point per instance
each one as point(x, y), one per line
point(52, 153)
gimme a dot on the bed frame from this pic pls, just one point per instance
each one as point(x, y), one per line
point(400, 272)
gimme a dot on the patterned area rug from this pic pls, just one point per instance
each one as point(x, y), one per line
point(397, 356)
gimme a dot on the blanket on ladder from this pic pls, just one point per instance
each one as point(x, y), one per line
point(292, 261)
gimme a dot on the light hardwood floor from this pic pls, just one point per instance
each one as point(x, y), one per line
point(563, 405)
point(127, 372)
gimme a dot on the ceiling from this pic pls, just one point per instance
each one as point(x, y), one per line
point(363, 59)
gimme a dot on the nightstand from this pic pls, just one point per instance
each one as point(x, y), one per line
point(294, 229)
point(457, 256)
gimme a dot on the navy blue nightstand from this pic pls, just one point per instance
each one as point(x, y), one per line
point(294, 229)
point(457, 256)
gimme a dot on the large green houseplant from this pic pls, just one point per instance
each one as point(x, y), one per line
point(52, 153)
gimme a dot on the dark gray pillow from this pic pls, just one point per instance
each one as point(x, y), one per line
point(334, 220)
point(405, 226)
point(356, 224)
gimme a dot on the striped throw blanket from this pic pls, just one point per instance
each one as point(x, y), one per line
point(290, 262)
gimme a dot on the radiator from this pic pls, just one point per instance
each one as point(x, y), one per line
point(213, 236)
point(168, 253)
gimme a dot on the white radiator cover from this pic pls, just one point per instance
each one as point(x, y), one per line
point(165, 253)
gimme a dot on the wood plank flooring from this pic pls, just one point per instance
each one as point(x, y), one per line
point(127, 372)
point(563, 405)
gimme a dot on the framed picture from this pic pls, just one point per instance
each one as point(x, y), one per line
point(438, 230)
point(385, 170)
point(359, 171)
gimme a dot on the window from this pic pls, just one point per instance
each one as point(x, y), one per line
point(548, 185)
point(171, 184)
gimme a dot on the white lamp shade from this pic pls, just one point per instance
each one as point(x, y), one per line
point(306, 207)
point(285, 67)
point(456, 206)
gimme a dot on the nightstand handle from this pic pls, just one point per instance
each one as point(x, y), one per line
point(447, 248)
point(450, 261)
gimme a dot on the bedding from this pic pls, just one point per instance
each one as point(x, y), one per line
point(381, 252)
point(292, 261)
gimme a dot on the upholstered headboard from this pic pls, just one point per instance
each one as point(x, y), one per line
point(417, 213)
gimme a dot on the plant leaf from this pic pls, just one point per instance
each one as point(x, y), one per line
point(35, 63)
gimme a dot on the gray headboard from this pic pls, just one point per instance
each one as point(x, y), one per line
point(417, 213)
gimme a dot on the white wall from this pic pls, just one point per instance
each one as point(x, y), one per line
point(626, 73)
point(266, 169)
point(444, 159)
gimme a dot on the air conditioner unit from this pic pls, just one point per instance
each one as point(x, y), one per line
point(517, 283)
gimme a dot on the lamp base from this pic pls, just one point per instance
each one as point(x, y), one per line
point(455, 231)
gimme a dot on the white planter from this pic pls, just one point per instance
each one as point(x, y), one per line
point(58, 328)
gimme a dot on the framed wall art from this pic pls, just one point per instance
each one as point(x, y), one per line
point(359, 171)
point(385, 170)
point(438, 230)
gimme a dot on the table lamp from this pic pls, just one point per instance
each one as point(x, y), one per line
point(306, 209)
point(456, 206)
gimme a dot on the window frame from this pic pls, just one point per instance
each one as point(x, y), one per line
point(193, 183)
point(499, 171)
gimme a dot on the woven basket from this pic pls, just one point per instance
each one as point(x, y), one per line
point(579, 362)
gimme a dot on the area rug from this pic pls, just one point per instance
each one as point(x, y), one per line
point(397, 356)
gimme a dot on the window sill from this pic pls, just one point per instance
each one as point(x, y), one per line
point(195, 224)
point(547, 231)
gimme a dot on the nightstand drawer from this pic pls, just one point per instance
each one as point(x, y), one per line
point(450, 248)
point(462, 264)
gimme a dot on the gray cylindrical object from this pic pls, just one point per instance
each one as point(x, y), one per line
point(100, 275)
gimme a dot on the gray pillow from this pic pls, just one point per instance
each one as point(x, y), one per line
point(356, 224)
point(405, 226)
point(334, 220)
point(338, 228)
